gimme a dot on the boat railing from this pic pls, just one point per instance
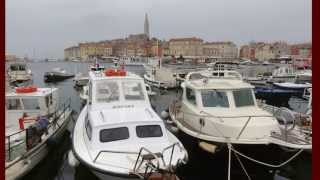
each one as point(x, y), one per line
point(172, 148)
point(148, 158)
point(287, 128)
point(203, 119)
point(19, 140)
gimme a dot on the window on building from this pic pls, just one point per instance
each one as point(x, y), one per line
point(214, 98)
point(30, 104)
point(13, 104)
point(114, 134)
point(191, 97)
point(243, 97)
point(149, 131)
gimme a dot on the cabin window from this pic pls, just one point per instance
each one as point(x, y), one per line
point(107, 91)
point(114, 134)
point(133, 91)
point(30, 104)
point(88, 128)
point(214, 98)
point(191, 97)
point(149, 131)
point(14, 104)
point(243, 97)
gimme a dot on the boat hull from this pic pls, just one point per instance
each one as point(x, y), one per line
point(106, 175)
point(51, 77)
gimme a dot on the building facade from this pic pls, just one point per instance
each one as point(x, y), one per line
point(186, 46)
point(227, 50)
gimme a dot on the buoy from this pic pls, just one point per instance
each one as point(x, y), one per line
point(115, 72)
point(211, 148)
point(27, 89)
point(73, 162)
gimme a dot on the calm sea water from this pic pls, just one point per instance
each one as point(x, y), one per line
point(201, 165)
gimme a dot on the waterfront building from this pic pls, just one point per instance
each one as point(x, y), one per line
point(185, 46)
point(264, 52)
point(303, 50)
point(10, 57)
point(223, 50)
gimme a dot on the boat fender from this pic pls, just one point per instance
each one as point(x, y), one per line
point(73, 162)
point(211, 148)
point(164, 114)
point(173, 129)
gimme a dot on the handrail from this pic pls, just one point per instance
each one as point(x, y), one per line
point(171, 156)
point(111, 151)
point(151, 153)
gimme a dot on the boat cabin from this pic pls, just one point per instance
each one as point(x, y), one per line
point(109, 90)
point(119, 112)
point(218, 89)
point(41, 101)
point(18, 67)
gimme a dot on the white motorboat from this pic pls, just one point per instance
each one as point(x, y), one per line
point(34, 120)
point(219, 107)
point(290, 74)
point(18, 72)
point(118, 135)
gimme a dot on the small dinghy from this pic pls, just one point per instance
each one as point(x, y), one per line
point(57, 74)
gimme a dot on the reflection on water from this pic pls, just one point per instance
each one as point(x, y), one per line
point(201, 165)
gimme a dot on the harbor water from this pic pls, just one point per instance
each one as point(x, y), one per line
point(201, 165)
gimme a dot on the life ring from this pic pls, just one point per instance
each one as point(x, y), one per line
point(115, 72)
point(27, 89)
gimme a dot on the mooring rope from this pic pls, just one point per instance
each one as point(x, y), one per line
point(267, 164)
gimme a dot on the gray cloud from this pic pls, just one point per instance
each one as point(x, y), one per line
point(48, 26)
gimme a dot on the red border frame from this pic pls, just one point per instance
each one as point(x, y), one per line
point(2, 81)
point(315, 89)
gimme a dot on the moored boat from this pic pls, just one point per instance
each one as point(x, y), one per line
point(34, 122)
point(18, 72)
point(219, 107)
point(118, 135)
point(57, 74)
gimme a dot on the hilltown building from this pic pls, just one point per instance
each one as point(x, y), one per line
point(301, 50)
point(225, 50)
point(185, 46)
point(10, 57)
point(264, 51)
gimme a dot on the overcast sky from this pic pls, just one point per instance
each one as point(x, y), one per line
point(48, 26)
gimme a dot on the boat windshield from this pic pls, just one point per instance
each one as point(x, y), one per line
point(133, 90)
point(243, 97)
point(214, 98)
point(149, 131)
point(107, 91)
point(17, 67)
